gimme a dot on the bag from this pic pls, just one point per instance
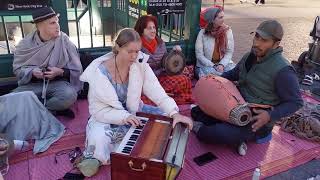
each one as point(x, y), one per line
point(88, 166)
point(315, 33)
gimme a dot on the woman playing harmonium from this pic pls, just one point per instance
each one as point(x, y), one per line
point(116, 82)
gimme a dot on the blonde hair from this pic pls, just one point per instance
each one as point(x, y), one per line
point(124, 37)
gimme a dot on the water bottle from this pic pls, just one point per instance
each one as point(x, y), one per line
point(256, 174)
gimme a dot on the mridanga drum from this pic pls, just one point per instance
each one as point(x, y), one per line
point(220, 98)
point(173, 63)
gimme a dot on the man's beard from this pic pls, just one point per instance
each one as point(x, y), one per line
point(258, 52)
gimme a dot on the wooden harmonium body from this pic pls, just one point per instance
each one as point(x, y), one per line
point(153, 151)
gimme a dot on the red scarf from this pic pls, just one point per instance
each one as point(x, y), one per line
point(151, 46)
point(220, 35)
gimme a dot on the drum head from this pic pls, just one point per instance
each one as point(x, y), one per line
point(174, 63)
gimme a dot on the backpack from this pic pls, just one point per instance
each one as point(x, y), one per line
point(315, 33)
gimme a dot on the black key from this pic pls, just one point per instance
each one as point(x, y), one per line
point(135, 136)
point(126, 151)
point(127, 148)
point(133, 139)
point(129, 144)
point(137, 131)
point(143, 121)
point(139, 127)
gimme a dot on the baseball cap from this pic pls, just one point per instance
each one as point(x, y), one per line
point(270, 29)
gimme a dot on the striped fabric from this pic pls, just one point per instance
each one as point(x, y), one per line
point(283, 152)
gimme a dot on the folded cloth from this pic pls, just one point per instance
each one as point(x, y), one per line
point(305, 123)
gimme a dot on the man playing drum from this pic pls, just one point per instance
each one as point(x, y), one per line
point(264, 77)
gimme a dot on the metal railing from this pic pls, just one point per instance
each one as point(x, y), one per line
point(171, 26)
point(81, 22)
point(10, 24)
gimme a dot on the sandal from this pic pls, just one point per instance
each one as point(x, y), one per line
point(307, 82)
point(315, 76)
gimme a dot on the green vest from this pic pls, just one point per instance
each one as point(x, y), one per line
point(258, 85)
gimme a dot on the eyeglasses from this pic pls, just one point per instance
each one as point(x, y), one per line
point(73, 154)
point(150, 28)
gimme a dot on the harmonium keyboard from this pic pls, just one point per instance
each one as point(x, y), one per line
point(153, 151)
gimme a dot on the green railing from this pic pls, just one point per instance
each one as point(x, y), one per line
point(92, 26)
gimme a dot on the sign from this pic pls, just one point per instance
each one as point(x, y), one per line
point(166, 6)
point(16, 5)
point(134, 8)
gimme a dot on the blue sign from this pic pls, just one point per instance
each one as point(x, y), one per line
point(16, 5)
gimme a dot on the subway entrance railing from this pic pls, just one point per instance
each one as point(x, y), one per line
point(92, 26)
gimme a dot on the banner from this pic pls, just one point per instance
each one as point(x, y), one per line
point(16, 5)
point(166, 6)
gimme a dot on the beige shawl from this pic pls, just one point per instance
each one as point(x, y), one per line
point(32, 53)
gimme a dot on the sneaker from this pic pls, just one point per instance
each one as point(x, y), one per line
point(242, 149)
point(67, 113)
point(196, 126)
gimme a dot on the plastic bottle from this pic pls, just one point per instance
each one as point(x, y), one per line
point(256, 174)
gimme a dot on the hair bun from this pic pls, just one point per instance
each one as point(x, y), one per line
point(115, 48)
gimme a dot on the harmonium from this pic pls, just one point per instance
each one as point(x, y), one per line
point(153, 151)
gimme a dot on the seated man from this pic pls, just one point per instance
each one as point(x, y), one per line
point(47, 63)
point(265, 77)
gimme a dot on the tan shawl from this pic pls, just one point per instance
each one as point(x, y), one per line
point(32, 53)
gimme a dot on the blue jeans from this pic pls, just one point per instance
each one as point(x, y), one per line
point(215, 131)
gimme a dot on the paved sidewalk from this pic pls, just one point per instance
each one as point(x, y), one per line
point(297, 17)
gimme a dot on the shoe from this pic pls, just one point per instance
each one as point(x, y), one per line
point(196, 126)
point(67, 113)
point(242, 149)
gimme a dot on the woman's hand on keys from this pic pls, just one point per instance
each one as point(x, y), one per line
point(132, 120)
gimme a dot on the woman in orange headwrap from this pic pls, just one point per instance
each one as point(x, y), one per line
point(214, 45)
